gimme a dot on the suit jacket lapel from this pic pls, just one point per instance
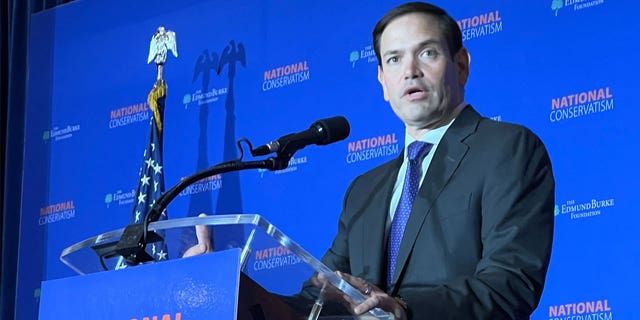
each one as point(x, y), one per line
point(451, 150)
point(374, 224)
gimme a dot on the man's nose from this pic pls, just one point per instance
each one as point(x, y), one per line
point(412, 69)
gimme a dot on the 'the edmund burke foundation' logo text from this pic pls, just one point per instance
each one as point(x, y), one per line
point(292, 166)
point(120, 198)
point(574, 4)
point(584, 209)
point(366, 54)
point(60, 133)
point(201, 98)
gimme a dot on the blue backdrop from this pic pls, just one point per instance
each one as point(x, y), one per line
point(564, 68)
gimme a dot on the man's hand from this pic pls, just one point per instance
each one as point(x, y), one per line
point(204, 241)
point(376, 298)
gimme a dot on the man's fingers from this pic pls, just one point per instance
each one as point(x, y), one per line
point(204, 237)
point(204, 241)
point(319, 280)
point(367, 305)
point(360, 284)
point(195, 250)
point(376, 298)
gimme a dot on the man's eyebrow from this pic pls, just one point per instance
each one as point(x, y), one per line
point(428, 42)
point(390, 52)
point(419, 45)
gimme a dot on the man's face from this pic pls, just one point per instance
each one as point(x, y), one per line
point(419, 78)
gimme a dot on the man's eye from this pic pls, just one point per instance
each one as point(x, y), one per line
point(392, 60)
point(428, 53)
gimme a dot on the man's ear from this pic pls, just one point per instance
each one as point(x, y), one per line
point(462, 60)
point(382, 83)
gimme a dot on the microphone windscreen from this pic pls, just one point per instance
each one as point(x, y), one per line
point(336, 129)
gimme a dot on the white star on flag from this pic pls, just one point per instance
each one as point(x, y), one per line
point(162, 255)
point(145, 180)
point(141, 198)
point(149, 163)
point(157, 169)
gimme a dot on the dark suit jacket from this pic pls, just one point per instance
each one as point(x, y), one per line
point(478, 240)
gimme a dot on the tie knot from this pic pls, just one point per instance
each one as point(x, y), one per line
point(417, 150)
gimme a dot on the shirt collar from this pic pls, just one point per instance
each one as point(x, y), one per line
point(432, 136)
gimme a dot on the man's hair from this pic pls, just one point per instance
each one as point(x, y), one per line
point(448, 26)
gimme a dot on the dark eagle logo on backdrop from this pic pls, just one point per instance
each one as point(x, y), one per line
point(229, 197)
point(205, 65)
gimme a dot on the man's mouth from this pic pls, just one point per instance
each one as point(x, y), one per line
point(414, 93)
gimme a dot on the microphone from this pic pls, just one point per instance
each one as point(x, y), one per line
point(321, 132)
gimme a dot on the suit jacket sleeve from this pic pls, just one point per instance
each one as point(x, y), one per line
point(337, 257)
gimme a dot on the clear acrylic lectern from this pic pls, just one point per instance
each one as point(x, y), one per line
point(267, 257)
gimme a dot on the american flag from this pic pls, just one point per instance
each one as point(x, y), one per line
point(151, 176)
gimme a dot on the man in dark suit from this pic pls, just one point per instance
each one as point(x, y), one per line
point(464, 230)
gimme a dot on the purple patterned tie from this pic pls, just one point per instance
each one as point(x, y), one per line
point(416, 151)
